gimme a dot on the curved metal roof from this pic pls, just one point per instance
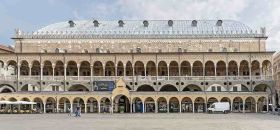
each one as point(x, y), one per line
point(155, 29)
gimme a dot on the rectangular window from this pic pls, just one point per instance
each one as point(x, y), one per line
point(234, 89)
point(53, 88)
point(219, 88)
point(213, 89)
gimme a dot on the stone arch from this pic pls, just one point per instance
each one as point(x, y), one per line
point(232, 68)
point(6, 88)
point(151, 68)
point(173, 68)
point(199, 105)
point(1, 64)
point(266, 68)
point(78, 104)
point(149, 105)
point(262, 88)
point(244, 68)
point(24, 68)
point(36, 68)
point(209, 68)
point(92, 105)
point(50, 105)
point(237, 104)
point(47, 68)
point(262, 104)
point(120, 69)
point(12, 67)
point(250, 104)
point(145, 88)
point(59, 68)
point(128, 69)
point(64, 105)
point(185, 68)
point(109, 68)
point(197, 68)
point(85, 68)
point(168, 87)
point(211, 100)
point(255, 68)
point(139, 68)
point(162, 105)
point(72, 68)
point(221, 68)
point(137, 105)
point(162, 68)
point(174, 105)
point(13, 99)
point(98, 69)
point(121, 104)
point(25, 99)
point(78, 87)
point(187, 105)
point(39, 107)
point(105, 104)
point(192, 88)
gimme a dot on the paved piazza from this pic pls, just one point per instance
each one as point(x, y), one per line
point(232, 121)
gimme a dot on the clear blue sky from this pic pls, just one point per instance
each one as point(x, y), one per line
point(30, 15)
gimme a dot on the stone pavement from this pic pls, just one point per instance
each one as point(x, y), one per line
point(232, 121)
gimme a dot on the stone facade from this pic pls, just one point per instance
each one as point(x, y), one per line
point(172, 71)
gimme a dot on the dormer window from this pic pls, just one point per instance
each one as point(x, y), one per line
point(170, 23)
point(121, 23)
point(95, 23)
point(71, 23)
point(194, 23)
point(97, 50)
point(219, 23)
point(145, 23)
point(85, 51)
point(56, 50)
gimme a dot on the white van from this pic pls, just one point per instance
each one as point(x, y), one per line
point(219, 107)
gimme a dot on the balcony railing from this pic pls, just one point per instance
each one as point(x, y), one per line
point(137, 78)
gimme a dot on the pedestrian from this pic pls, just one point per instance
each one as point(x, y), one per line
point(69, 111)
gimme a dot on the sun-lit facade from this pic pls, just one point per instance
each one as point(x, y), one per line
point(160, 66)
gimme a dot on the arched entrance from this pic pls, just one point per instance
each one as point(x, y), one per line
point(105, 105)
point(187, 104)
point(250, 105)
point(92, 105)
point(137, 106)
point(121, 104)
point(211, 101)
point(226, 99)
point(162, 105)
point(39, 106)
point(262, 104)
point(149, 105)
point(64, 104)
point(199, 105)
point(174, 106)
point(78, 104)
point(237, 105)
point(50, 105)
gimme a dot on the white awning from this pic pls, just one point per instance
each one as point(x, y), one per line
point(17, 102)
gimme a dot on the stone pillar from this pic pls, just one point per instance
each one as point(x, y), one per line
point(130, 107)
point(156, 107)
point(193, 106)
point(65, 68)
point(191, 71)
point(71, 107)
point(256, 107)
point(124, 71)
point(167, 107)
point(57, 106)
point(231, 105)
point(41, 72)
point(215, 67)
point(99, 107)
point(44, 107)
point(53, 67)
point(243, 108)
point(78, 66)
point(29, 67)
point(145, 69)
point(261, 75)
point(238, 71)
point(168, 72)
point(144, 109)
point(267, 105)
point(104, 74)
point(64, 106)
point(85, 107)
point(180, 105)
